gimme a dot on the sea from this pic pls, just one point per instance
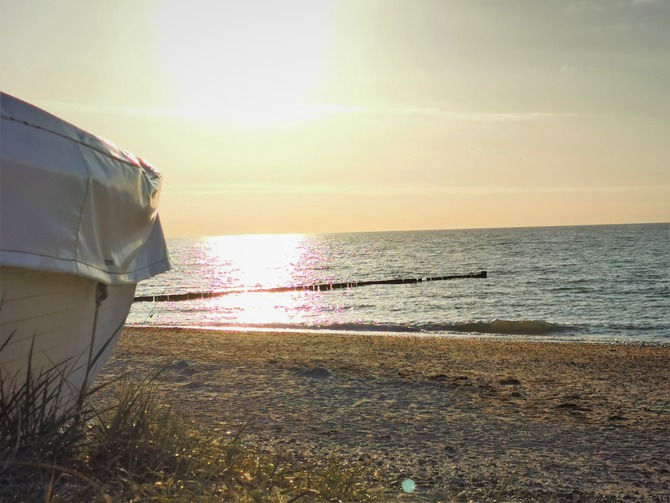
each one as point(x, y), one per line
point(605, 283)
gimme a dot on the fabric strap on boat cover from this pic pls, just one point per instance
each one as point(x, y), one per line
point(73, 203)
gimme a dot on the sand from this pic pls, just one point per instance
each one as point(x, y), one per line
point(472, 419)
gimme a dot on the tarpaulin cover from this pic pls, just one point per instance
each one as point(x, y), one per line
point(73, 203)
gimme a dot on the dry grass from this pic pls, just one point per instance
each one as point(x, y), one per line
point(140, 449)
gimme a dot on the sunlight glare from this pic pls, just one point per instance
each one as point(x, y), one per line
point(258, 262)
point(251, 63)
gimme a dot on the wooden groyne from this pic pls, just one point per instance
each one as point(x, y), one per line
point(315, 287)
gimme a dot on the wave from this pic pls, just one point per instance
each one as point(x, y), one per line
point(502, 327)
point(496, 326)
point(507, 327)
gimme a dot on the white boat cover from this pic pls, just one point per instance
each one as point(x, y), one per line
point(73, 203)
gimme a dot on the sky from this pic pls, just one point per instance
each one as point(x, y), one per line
point(306, 116)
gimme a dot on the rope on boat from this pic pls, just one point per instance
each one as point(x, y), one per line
point(315, 287)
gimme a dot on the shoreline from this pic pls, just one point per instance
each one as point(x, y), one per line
point(577, 422)
point(238, 329)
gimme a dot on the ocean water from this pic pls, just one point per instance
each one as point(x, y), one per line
point(596, 283)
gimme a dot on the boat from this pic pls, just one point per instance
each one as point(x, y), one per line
point(79, 228)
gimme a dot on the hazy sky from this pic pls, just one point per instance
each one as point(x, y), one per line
point(318, 116)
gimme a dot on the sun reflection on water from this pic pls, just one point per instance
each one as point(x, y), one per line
point(255, 261)
point(260, 262)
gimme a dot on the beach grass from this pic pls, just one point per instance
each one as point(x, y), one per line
point(136, 447)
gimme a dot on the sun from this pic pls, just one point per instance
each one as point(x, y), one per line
point(251, 62)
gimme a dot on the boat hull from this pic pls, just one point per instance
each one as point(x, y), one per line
point(58, 326)
point(79, 229)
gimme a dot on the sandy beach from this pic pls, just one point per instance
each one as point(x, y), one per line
point(465, 419)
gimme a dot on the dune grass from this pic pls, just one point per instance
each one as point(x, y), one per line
point(138, 448)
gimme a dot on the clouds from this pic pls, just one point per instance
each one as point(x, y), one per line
point(322, 111)
point(452, 115)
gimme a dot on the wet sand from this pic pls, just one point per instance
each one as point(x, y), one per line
point(466, 419)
